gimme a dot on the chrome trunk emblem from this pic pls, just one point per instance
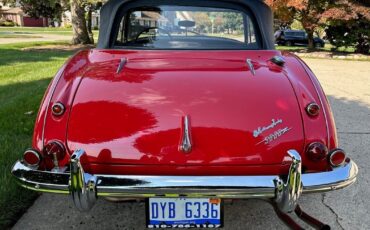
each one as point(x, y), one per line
point(185, 142)
point(257, 132)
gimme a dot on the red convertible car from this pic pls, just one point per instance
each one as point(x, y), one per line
point(184, 104)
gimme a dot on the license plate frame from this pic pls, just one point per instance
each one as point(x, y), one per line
point(185, 224)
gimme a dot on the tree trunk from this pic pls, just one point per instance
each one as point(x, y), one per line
point(80, 34)
point(89, 24)
point(363, 45)
point(311, 44)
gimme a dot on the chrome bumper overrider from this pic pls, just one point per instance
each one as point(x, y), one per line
point(284, 191)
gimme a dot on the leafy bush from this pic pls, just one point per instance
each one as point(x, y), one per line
point(350, 33)
point(68, 26)
point(7, 23)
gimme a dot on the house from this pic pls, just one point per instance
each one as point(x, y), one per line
point(17, 16)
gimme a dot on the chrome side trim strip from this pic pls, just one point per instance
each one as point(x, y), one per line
point(52, 89)
point(314, 79)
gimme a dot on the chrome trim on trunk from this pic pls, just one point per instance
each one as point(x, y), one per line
point(121, 65)
point(185, 143)
point(251, 66)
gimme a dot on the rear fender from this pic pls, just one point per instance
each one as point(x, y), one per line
point(318, 129)
point(61, 89)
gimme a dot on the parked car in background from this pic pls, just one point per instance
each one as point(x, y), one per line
point(296, 37)
point(184, 119)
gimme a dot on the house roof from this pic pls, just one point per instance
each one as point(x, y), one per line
point(15, 10)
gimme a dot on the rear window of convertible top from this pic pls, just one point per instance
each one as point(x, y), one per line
point(186, 27)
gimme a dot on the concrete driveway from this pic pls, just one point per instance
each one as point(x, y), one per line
point(347, 85)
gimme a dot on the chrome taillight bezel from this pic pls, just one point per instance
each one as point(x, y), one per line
point(333, 153)
point(36, 154)
point(61, 109)
point(313, 109)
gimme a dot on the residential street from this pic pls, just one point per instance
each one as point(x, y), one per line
point(347, 84)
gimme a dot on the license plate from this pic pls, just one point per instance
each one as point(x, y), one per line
point(184, 213)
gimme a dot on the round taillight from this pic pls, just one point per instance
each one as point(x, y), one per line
point(31, 158)
point(317, 151)
point(337, 157)
point(313, 109)
point(58, 109)
point(55, 149)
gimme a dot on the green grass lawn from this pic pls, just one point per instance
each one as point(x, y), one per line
point(41, 30)
point(38, 30)
point(18, 36)
point(327, 47)
point(24, 77)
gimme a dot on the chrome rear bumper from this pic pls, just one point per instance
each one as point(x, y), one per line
point(85, 188)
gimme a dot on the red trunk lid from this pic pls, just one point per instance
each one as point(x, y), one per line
point(136, 117)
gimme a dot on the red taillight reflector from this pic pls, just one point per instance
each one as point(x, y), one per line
point(58, 109)
point(313, 109)
point(337, 157)
point(317, 151)
point(31, 157)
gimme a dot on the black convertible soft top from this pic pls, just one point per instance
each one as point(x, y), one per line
point(258, 8)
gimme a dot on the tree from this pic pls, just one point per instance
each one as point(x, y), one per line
point(316, 13)
point(348, 24)
point(82, 26)
point(80, 33)
point(284, 16)
point(308, 12)
point(51, 9)
point(232, 21)
point(91, 6)
point(203, 21)
point(9, 2)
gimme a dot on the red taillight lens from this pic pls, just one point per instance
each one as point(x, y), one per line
point(313, 109)
point(317, 151)
point(31, 158)
point(337, 157)
point(55, 150)
point(58, 109)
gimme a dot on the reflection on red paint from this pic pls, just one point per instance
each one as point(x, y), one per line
point(100, 121)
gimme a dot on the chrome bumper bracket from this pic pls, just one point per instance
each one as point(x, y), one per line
point(288, 193)
point(82, 186)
